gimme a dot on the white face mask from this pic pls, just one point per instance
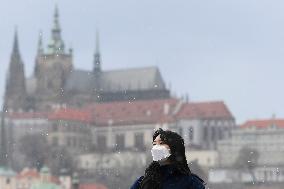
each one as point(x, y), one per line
point(160, 152)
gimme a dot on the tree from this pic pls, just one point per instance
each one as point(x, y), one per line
point(60, 159)
point(35, 149)
point(37, 152)
point(247, 159)
point(117, 171)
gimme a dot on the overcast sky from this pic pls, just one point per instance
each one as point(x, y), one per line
point(230, 50)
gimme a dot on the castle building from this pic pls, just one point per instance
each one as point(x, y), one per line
point(56, 82)
point(123, 126)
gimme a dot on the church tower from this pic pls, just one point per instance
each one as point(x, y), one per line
point(15, 91)
point(52, 67)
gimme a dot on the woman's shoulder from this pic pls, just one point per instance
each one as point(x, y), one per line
point(136, 184)
point(196, 181)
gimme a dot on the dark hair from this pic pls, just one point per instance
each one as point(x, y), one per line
point(152, 177)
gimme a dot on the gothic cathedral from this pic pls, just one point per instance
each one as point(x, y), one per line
point(55, 81)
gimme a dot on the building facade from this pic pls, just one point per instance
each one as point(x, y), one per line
point(19, 125)
point(263, 136)
point(7, 178)
point(125, 125)
point(70, 129)
point(263, 175)
point(203, 124)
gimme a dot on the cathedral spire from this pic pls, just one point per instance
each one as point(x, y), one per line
point(15, 55)
point(56, 44)
point(97, 42)
point(56, 25)
point(39, 45)
point(97, 56)
point(16, 43)
point(15, 84)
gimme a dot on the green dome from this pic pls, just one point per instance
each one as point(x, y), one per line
point(44, 170)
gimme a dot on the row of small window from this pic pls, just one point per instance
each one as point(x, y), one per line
point(266, 138)
point(70, 142)
point(215, 133)
point(259, 146)
point(269, 174)
point(67, 127)
point(120, 142)
point(218, 123)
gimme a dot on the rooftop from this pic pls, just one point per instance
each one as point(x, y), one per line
point(264, 123)
point(214, 109)
point(143, 112)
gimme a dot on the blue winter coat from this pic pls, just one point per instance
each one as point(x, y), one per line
point(171, 180)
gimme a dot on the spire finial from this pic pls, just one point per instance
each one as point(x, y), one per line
point(16, 43)
point(97, 58)
point(56, 18)
point(40, 45)
point(97, 42)
point(56, 11)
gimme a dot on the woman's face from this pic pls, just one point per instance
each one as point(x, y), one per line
point(158, 141)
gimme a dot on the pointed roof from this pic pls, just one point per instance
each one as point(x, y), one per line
point(16, 43)
point(56, 25)
point(97, 56)
point(15, 80)
point(56, 44)
point(97, 43)
point(40, 45)
point(15, 55)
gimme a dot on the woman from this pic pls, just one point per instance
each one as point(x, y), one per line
point(169, 169)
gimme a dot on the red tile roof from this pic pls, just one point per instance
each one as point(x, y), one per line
point(140, 112)
point(54, 180)
point(33, 173)
point(133, 112)
point(71, 114)
point(28, 173)
point(92, 186)
point(264, 123)
point(215, 109)
point(28, 115)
